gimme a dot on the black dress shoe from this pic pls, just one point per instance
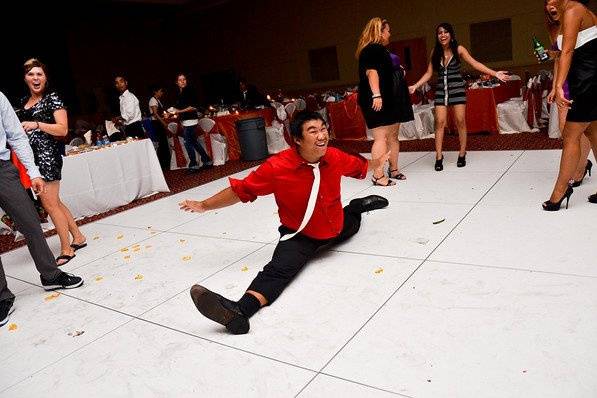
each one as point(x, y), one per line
point(593, 198)
point(219, 309)
point(368, 203)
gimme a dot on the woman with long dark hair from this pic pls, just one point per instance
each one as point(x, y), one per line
point(450, 90)
point(383, 104)
point(578, 64)
point(44, 119)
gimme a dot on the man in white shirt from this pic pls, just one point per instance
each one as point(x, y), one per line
point(130, 112)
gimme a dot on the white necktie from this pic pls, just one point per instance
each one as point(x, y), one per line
point(310, 203)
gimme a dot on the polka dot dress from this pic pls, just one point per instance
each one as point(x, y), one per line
point(46, 149)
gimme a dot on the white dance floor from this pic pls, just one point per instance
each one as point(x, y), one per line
point(462, 287)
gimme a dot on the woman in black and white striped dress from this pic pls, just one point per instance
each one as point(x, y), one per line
point(450, 90)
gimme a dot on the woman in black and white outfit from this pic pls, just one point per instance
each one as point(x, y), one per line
point(44, 118)
point(450, 91)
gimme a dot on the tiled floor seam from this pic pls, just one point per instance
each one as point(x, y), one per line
point(361, 384)
point(438, 261)
point(415, 270)
point(66, 356)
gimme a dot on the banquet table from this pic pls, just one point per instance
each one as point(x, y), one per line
point(100, 180)
point(481, 107)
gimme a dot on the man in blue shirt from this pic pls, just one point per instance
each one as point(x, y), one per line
point(16, 203)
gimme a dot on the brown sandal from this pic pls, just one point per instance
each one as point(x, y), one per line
point(398, 176)
point(375, 180)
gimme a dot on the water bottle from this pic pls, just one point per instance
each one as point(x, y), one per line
point(542, 55)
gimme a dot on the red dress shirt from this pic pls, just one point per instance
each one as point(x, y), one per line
point(289, 177)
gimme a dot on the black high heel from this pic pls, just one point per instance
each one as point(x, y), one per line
point(555, 206)
point(461, 161)
point(439, 164)
point(588, 168)
point(593, 198)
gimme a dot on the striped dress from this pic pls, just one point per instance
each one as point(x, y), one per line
point(450, 88)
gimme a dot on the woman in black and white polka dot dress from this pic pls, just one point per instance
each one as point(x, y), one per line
point(44, 118)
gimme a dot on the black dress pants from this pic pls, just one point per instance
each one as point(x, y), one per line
point(163, 145)
point(290, 256)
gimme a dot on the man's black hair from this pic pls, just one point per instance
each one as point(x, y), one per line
point(302, 117)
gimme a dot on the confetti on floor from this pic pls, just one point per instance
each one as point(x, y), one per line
point(120, 237)
point(52, 296)
point(76, 333)
point(148, 246)
point(96, 237)
point(127, 257)
point(153, 232)
point(138, 277)
point(422, 241)
point(99, 278)
point(379, 270)
point(244, 269)
point(12, 327)
point(124, 249)
point(182, 240)
point(136, 249)
point(186, 258)
point(439, 221)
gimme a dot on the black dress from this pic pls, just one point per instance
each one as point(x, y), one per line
point(582, 78)
point(47, 150)
point(375, 56)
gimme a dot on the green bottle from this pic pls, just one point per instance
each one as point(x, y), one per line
point(542, 55)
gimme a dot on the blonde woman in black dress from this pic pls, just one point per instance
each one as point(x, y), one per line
point(381, 97)
point(44, 119)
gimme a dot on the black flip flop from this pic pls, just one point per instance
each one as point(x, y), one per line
point(64, 257)
point(77, 247)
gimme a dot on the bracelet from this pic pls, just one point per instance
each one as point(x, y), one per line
point(376, 96)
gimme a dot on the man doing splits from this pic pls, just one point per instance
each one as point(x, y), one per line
point(305, 181)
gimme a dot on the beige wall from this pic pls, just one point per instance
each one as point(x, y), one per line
point(257, 40)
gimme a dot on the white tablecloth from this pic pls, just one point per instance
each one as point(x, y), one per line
point(101, 180)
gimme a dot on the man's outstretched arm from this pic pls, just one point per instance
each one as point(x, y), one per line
point(224, 198)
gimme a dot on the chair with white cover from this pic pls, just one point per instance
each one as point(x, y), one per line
point(290, 109)
point(275, 138)
point(553, 128)
point(512, 117)
point(173, 128)
point(425, 120)
point(280, 111)
point(301, 104)
point(219, 147)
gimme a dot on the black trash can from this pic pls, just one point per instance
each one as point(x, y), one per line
point(251, 137)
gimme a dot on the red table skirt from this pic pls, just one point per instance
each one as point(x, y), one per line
point(481, 112)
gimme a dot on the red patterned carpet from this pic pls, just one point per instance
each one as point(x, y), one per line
point(180, 180)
